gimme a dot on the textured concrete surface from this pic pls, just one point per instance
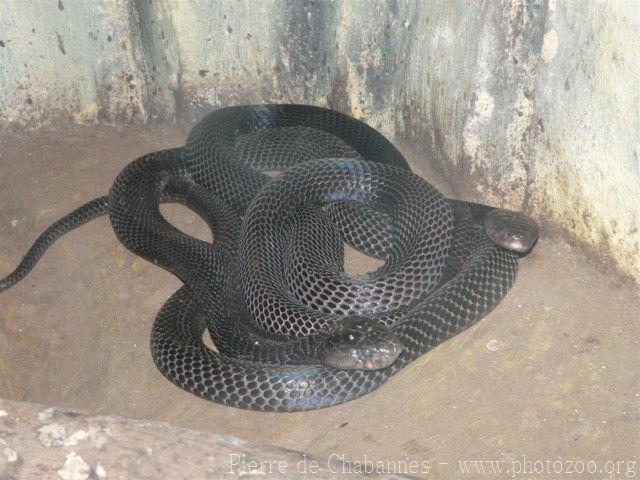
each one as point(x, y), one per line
point(550, 376)
point(40, 442)
point(528, 105)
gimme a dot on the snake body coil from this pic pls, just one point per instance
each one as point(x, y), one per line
point(292, 330)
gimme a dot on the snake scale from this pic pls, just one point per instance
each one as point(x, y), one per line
point(292, 331)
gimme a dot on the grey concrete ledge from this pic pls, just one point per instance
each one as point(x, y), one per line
point(55, 443)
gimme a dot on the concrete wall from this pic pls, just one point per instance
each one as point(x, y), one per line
point(529, 105)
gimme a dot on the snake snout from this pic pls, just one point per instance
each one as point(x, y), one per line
point(511, 230)
point(360, 344)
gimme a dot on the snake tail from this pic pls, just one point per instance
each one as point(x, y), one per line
point(80, 216)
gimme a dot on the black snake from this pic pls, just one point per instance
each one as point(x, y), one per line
point(292, 330)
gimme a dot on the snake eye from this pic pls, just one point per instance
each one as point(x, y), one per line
point(366, 352)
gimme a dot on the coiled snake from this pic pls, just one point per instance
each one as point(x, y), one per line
point(292, 330)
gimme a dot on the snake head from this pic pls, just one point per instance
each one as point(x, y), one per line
point(511, 230)
point(358, 343)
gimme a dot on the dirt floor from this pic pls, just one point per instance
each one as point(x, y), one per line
point(548, 380)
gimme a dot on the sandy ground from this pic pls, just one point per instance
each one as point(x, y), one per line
point(551, 376)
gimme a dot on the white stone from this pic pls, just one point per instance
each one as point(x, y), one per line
point(100, 471)
point(45, 415)
point(11, 454)
point(75, 468)
point(52, 435)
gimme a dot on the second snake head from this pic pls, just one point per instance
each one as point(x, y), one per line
point(359, 343)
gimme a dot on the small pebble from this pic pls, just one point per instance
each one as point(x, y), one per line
point(45, 415)
point(52, 435)
point(11, 454)
point(75, 468)
point(492, 345)
point(100, 471)
point(76, 437)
